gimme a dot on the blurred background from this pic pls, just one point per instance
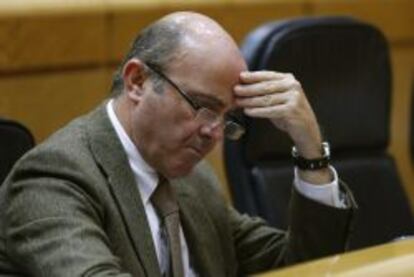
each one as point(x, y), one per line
point(57, 56)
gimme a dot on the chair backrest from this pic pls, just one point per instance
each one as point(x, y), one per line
point(15, 140)
point(343, 65)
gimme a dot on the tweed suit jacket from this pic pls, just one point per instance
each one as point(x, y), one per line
point(71, 207)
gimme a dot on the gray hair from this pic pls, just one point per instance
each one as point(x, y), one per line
point(154, 45)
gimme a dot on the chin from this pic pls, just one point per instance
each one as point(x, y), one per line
point(182, 164)
point(180, 170)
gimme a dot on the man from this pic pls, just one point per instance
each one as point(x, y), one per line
point(85, 202)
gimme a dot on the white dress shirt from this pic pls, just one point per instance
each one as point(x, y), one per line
point(147, 179)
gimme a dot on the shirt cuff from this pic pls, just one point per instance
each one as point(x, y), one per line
point(328, 194)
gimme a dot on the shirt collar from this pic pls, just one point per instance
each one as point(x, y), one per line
point(145, 176)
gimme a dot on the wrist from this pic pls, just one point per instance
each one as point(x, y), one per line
point(309, 147)
point(316, 177)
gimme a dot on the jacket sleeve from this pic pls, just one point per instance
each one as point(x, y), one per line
point(315, 230)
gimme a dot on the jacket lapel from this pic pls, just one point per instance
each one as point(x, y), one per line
point(201, 236)
point(110, 154)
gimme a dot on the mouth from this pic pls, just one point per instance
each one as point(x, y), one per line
point(197, 152)
point(199, 148)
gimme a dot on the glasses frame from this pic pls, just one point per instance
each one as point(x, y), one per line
point(231, 119)
point(190, 101)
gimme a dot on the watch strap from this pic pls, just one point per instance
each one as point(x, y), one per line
point(312, 164)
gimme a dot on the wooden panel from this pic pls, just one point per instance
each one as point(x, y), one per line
point(48, 7)
point(46, 102)
point(45, 41)
point(395, 18)
point(403, 73)
point(238, 19)
point(392, 259)
point(241, 18)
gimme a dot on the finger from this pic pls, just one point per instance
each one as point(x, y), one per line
point(248, 77)
point(263, 100)
point(262, 88)
point(273, 112)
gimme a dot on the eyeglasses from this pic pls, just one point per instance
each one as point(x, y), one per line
point(233, 129)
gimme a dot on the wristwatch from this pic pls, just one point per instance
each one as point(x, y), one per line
point(312, 164)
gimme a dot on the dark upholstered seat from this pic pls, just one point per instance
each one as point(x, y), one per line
point(15, 140)
point(343, 65)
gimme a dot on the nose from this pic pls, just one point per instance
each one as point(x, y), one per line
point(213, 132)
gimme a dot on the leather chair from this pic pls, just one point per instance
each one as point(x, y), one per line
point(344, 67)
point(15, 140)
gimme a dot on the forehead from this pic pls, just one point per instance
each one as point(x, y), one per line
point(209, 75)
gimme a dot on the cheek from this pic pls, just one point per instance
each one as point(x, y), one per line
point(180, 126)
point(180, 133)
point(171, 119)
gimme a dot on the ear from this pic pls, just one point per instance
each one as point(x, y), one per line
point(134, 76)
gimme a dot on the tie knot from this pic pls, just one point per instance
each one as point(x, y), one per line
point(164, 199)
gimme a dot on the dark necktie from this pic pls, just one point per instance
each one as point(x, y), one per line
point(166, 206)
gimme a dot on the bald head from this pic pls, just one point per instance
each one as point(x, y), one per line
point(179, 36)
point(199, 29)
point(202, 35)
